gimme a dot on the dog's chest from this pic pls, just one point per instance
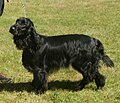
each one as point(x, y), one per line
point(30, 60)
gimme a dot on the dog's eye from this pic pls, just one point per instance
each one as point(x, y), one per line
point(23, 21)
point(23, 24)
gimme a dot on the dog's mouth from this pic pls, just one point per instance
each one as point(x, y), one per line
point(16, 31)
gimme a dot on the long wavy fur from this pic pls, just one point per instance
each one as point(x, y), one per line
point(43, 54)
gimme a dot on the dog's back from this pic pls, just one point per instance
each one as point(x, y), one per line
point(78, 46)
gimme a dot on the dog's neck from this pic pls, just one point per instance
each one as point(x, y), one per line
point(37, 41)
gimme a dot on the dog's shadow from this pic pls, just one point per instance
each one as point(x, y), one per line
point(53, 85)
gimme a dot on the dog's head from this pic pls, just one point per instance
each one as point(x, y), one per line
point(21, 27)
point(21, 32)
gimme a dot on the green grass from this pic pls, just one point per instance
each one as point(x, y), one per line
point(98, 18)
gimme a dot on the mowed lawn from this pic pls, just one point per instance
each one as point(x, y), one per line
point(97, 18)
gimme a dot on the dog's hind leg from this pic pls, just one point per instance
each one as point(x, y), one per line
point(99, 80)
point(40, 81)
point(87, 72)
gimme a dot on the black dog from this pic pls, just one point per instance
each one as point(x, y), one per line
point(41, 54)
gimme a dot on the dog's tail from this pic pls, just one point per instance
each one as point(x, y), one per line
point(105, 58)
point(107, 61)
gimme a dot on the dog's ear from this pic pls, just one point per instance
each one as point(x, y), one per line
point(31, 23)
point(31, 30)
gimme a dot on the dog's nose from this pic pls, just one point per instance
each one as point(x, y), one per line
point(12, 29)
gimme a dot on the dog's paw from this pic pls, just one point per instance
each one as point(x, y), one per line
point(80, 87)
point(40, 91)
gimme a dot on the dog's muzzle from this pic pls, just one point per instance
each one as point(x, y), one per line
point(12, 30)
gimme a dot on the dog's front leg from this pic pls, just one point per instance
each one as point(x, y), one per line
point(40, 80)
